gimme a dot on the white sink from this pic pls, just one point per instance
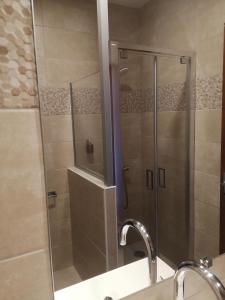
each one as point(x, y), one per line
point(117, 284)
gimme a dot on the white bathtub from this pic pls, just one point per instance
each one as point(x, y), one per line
point(117, 284)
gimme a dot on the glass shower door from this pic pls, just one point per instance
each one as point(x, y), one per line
point(173, 114)
point(136, 98)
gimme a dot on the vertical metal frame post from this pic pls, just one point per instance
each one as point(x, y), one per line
point(114, 69)
point(103, 47)
point(156, 191)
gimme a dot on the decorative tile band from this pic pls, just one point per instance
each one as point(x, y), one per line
point(55, 101)
point(18, 87)
point(87, 101)
point(132, 101)
point(209, 93)
point(172, 97)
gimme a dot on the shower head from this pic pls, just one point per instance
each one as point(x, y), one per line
point(123, 70)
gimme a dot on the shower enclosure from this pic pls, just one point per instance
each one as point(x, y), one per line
point(153, 125)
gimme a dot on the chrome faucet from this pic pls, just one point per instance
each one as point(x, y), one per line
point(131, 223)
point(201, 270)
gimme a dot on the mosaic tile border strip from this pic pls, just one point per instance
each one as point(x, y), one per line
point(87, 101)
point(132, 101)
point(56, 101)
point(209, 93)
point(18, 86)
point(170, 98)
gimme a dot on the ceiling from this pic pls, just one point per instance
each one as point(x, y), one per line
point(130, 3)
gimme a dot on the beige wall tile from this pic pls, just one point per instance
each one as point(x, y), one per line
point(26, 277)
point(208, 125)
point(207, 218)
point(206, 244)
point(62, 256)
point(60, 231)
point(81, 17)
point(208, 27)
point(57, 181)
point(172, 124)
point(147, 122)
point(59, 71)
point(62, 208)
point(57, 129)
point(207, 188)
point(124, 23)
point(59, 155)
point(85, 50)
point(23, 207)
point(210, 56)
point(89, 234)
point(207, 157)
point(111, 227)
point(88, 126)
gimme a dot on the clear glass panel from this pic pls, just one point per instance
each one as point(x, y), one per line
point(173, 163)
point(137, 145)
point(87, 123)
point(66, 42)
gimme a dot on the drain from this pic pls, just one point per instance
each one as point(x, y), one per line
point(139, 254)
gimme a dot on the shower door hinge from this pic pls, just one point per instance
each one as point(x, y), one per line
point(184, 60)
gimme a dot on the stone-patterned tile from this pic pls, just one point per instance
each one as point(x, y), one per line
point(18, 87)
point(209, 93)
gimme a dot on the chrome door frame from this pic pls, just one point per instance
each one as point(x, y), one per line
point(114, 47)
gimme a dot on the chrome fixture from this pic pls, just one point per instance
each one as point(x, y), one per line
point(52, 195)
point(206, 262)
point(131, 223)
point(187, 266)
point(123, 70)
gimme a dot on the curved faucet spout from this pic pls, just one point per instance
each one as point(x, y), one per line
point(140, 228)
point(208, 276)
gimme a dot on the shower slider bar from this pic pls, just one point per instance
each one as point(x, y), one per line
point(150, 178)
point(162, 177)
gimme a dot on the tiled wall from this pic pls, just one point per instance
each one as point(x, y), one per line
point(18, 81)
point(192, 26)
point(24, 251)
point(94, 224)
point(67, 51)
point(197, 26)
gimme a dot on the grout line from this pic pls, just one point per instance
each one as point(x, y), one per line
point(22, 255)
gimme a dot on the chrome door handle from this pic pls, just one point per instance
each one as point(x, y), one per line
point(52, 199)
point(149, 179)
point(162, 177)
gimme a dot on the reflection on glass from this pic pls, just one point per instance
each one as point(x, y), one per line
point(86, 112)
